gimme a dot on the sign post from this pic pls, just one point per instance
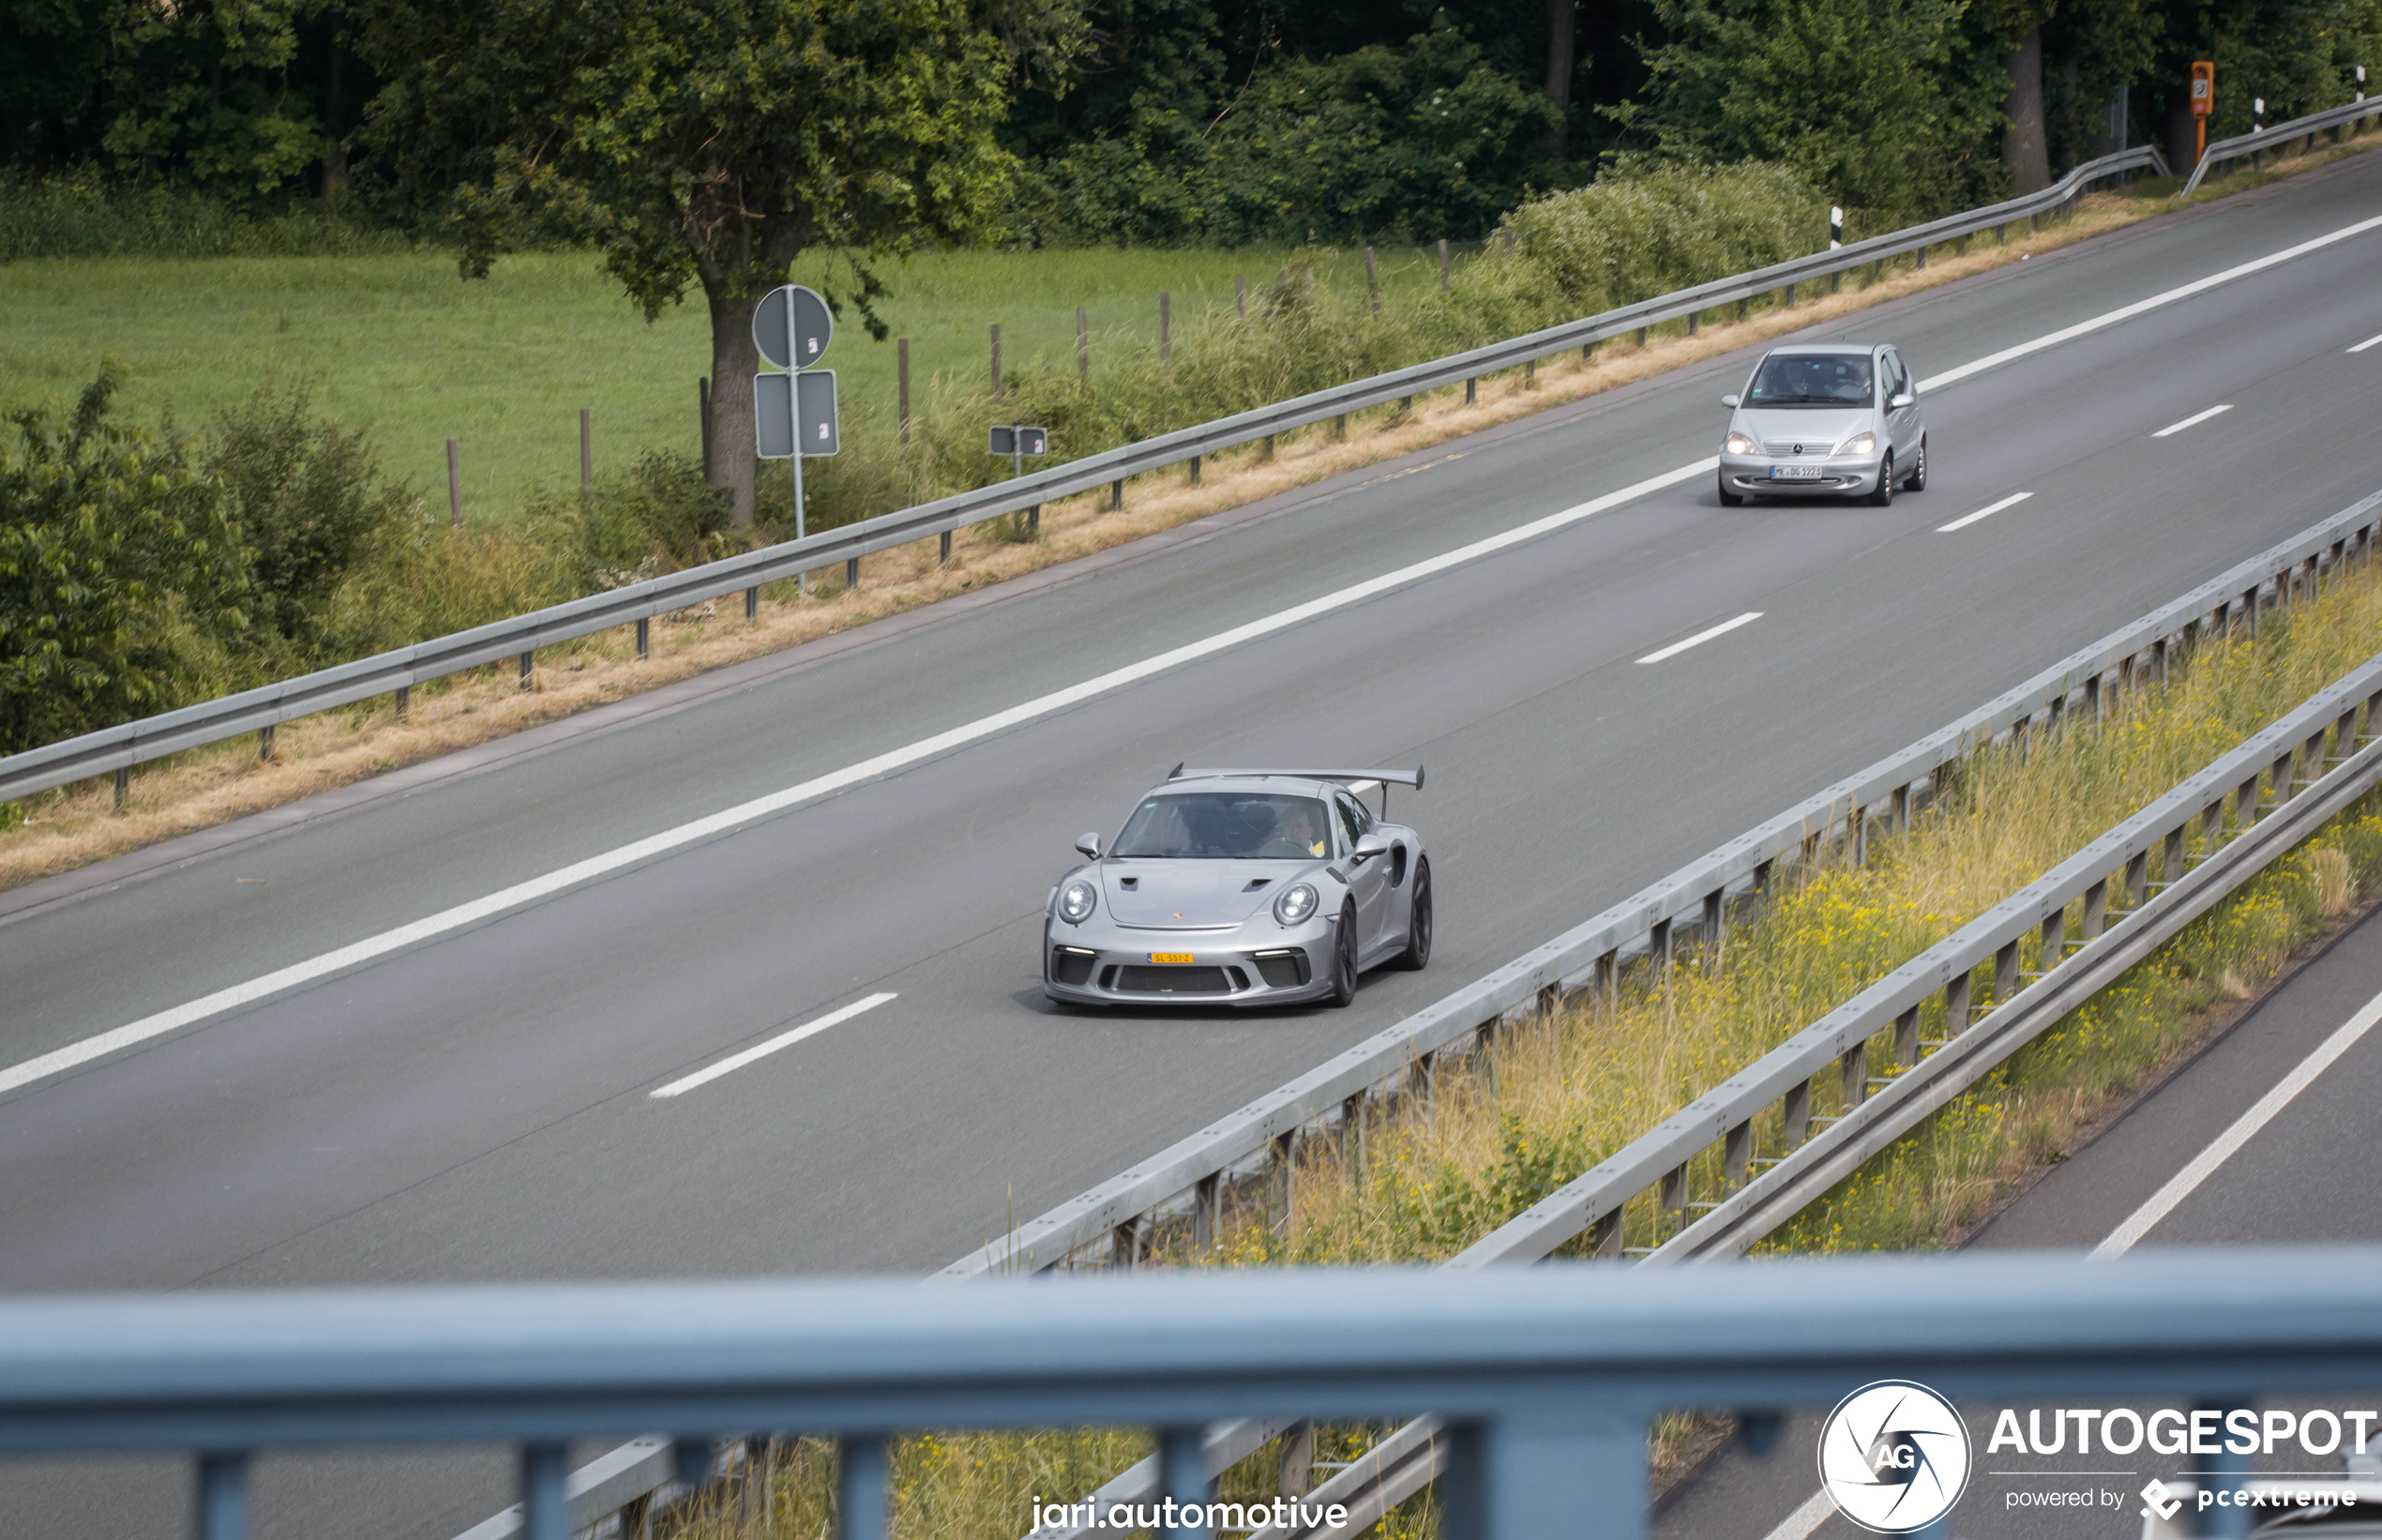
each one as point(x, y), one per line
point(1018, 441)
point(2203, 93)
point(794, 413)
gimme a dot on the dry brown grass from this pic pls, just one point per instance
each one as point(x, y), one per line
point(205, 788)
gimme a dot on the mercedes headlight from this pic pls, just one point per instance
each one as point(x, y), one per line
point(1740, 445)
point(1859, 444)
point(1076, 901)
point(1295, 905)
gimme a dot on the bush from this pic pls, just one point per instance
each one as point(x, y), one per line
point(309, 502)
point(84, 214)
point(121, 573)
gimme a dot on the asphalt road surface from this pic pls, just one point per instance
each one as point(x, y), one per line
point(476, 1106)
point(2303, 1174)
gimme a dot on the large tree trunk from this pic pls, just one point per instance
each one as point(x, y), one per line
point(2072, 134)
point(734, 362)
point(1562, 27)
point(2022, 142)
point(334, 154)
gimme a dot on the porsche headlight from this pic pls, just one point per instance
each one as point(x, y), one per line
point(1295, 905)
point(1076, 901)
point(1738, 444)
point(1859, 444)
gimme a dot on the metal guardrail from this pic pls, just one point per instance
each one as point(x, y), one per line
point(2345, 116)
point(1750, 1206)
point(118, 749)
point(1546, 1378)
point(1105, 1220)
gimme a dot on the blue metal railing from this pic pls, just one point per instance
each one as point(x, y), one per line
point(1546, 1378)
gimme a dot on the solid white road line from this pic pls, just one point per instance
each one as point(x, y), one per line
point(2367, 343)
point(763, 1050)
point(463, 916)
point(2193, 420)
point(2140, 307)
point(1701, 637)
point(1985, 512)
point(2180, 1186)
point(1800, 1524)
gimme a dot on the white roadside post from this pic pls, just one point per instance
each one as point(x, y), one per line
point(1835, 227)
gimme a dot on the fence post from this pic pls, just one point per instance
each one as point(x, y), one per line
point(1166, 327)
point(1083, 347)
point(1240, 295)
point(996, 360)
point(1443, 270)
point(901, 370)
point(454, 484)
point(1372, 281)
point(587, 452)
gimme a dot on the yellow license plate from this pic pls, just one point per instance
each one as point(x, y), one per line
point(1169, 957)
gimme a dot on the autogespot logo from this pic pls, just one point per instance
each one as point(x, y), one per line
point(1893, 1456)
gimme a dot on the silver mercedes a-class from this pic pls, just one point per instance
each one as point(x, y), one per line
point(1826, 419)
point(1241, 887)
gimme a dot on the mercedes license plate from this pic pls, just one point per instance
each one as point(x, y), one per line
point(1794, 473)
point(1169, 957)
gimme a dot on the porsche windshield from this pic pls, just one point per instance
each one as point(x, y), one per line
point(1223, 825)
point(1811, 379)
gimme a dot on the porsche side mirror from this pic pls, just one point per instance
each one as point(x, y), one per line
point(1901, 400)
point(1730, 402)
point(1088, 844)
point(1372, 842)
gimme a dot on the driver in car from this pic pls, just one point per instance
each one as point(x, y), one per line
point(1300, 831)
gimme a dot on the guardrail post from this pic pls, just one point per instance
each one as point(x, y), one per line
point(1852, 1075)
point(1836, 282)
point(752, 603)
point(1789, 295)
point(1857, 832)
point(1419, 1085)
point(1956, 1007)
point(2005, 973)
point(757, 1492)
point(860, 1488)
point(1714, 928)
point(2344, 737)
point(1641, 337)
point(636, 1518)
point(2211, 828)
point(1608, 982)
point(223, 1496)
point(2279, 779)
point(1605, 1237)
point(2245, 804)
point(1658, 950)
point(1182, 1475)
point(942, 552)
point(2054, 939)
point(2092, 698)
point(2158, 661)
point(2137, 878)
point(1797, 1110)
point(1295, 1477)
point(1674, 1193)
point(2312, 758)
point(1352, 1119)
point(1691, 322)
point(404, 698)
point(851, 564)
point(2171, 858)
point(1205, 1200)
point(1741, 309)
point(123, 785)
point(1485, 1056)
point(644, 638)
point(1473, 387)
point(1922, 256)
point(545, 1508)
point(264, 742)
point(1124, 1244)
point(529, 660)
point(1899, 816)
point(1116, 487)
point(1286, 1167)
point(2225, 1471)
point(1737, 1154)
point(1907, 1037)
point(2373, 712)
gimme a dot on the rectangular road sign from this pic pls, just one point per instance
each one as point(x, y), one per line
point(774, 426)
point(1016, 440)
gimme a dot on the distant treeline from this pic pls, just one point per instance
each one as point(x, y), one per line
point(272, 125)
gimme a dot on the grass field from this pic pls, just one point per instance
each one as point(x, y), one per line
point(505, 366)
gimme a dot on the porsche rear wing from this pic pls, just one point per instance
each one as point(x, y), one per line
point(1398, 777)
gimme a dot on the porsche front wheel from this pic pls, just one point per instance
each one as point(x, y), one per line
point(1344, 958)
point(1418, 924)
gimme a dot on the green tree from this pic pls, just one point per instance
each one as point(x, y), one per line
point(120, 572)
point(707, 143)
point(1879, 104)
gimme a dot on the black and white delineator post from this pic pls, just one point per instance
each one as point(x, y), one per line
point(1018, 441)
point(1835, 227)
point(2360, 82)
point(794, 413)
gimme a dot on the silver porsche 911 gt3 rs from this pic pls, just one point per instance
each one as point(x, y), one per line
point(1241, 887)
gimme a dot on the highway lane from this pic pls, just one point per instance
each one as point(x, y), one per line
point(2307, 1176)
point(478, 1107)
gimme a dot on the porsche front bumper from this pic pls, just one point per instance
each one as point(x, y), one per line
point(1257, 963)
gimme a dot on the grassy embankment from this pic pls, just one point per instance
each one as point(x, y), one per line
point(498, 572)
point(1566, 1093)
